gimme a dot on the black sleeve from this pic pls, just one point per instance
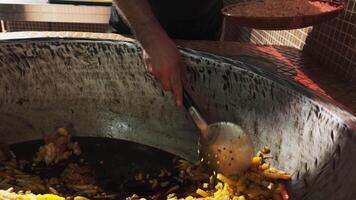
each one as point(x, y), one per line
point(117, 23)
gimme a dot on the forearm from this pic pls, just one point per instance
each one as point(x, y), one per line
point(141, 19)
point(160, 54)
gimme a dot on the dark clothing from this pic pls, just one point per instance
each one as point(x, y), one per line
point(181, 19)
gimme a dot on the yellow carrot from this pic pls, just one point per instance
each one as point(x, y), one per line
point(202, 192)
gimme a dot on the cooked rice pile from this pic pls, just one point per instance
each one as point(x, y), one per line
point(281, 8)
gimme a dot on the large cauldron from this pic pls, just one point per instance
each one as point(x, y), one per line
point(100, 87)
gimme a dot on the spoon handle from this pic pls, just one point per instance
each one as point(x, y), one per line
point(194, 113)
point(187, 100)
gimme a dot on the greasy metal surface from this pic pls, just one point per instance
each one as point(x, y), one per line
point(96, 96)
point(102, 89)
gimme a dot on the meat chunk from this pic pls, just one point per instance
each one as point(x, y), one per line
point(58, 147)
point(82, 179)
point(75, 174)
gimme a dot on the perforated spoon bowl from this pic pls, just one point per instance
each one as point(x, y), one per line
point(223, 146)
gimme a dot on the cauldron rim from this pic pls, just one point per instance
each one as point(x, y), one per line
point(338, 110)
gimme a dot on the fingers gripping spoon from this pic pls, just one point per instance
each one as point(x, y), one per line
point(223, 146)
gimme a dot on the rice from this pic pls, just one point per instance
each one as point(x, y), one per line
point(10, 195)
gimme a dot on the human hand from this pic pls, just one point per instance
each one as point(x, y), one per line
point(163, 60)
